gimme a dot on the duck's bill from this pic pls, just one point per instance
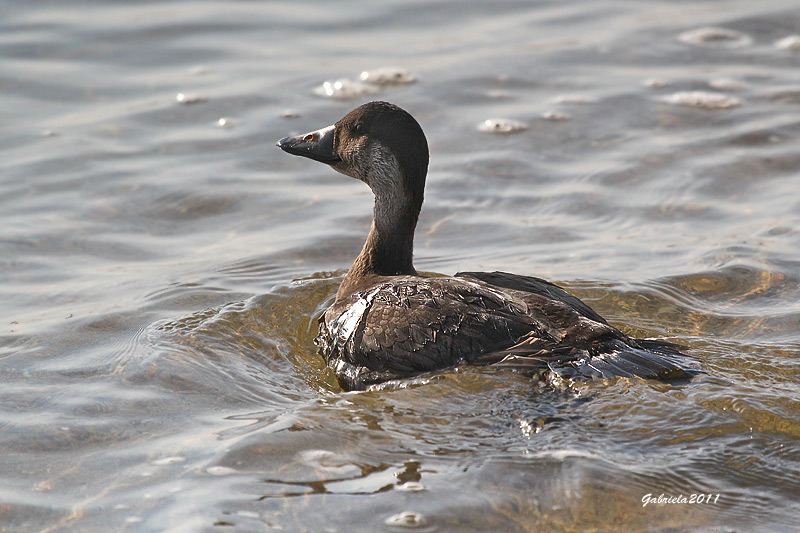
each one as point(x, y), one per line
point(316, 145)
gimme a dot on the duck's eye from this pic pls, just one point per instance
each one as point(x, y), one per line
point(361, 129)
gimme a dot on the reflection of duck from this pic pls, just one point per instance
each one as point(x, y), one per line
point(389, 322)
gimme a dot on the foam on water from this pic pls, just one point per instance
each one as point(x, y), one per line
point(502, 125)
point(716, 37)
point(702, 100)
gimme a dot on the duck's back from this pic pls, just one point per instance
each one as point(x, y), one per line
point(400, 326)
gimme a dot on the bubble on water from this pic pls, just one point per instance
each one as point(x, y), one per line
point(333, 464)
point(406, 519)
point(702, 100)
point(501, 125)
point(343, 89)
point(226, 122)
point(43, 486)
point(220, 470)
point(714, 37)
point(530, 427)
point(388, 76)
point(555, 116)
point(573, 99)
point(655, 83)
point(791, 43)
point(411, 486)
point(564, 454)
point(168, 461)
point(726, 84)
point(190, 98)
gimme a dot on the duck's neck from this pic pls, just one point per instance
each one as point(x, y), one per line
point(389, 248)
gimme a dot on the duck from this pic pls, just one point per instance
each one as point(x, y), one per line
point(388, 322)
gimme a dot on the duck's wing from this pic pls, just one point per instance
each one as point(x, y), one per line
point(536, 286)
point(589, 347)
point(413, 325)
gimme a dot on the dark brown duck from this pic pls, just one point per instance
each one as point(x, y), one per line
point(388, 322)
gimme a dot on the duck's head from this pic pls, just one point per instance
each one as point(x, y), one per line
point(377, 143)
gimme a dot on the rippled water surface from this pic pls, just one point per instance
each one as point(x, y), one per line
point(163, 264)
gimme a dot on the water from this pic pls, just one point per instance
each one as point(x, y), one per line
point(162, 271)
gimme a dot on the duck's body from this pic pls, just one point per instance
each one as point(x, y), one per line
point(387, 322)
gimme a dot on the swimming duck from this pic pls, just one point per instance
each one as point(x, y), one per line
point(388, 322)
